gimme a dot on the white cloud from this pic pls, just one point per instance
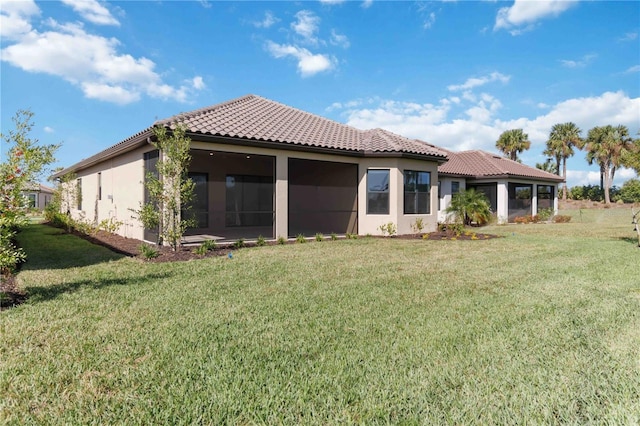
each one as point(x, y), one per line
point(367, 4)
point(306, 25)
point(632, 70)
point(429, 21)
point(268, 21)
point(523, 15)
point(92, 11)
point(480, 81)
point(308, 63)
point(91, 62)
point(332, 2)
point(472, 122)
point(198, 83)
point(15, 18)
point(629, 37)
point(48, 129)
point(584, 61)
point(339, 40)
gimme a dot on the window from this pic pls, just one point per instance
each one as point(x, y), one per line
point(99, 186)
point(455, 187)
point(31, 200)
point(249, 200)
point(79, 194)
point(199, 208)
point(439, 193)
point(417, 192)
point(545, 197)
point(377, 191)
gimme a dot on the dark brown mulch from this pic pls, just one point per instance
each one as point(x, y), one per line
point(10, 294)
point(131, 247)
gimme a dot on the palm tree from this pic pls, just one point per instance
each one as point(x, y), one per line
point(512, 142)
point(562, 139)
point(470, 206)
point(607, 146)
point(548, 166)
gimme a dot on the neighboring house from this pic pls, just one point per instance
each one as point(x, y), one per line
point(264, 168)
point(37, 195)
point(513, 189)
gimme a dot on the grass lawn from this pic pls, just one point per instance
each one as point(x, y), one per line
point(541, 326)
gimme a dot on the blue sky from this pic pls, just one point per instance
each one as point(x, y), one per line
point(452, 73)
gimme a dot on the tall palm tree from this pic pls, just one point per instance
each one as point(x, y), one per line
point(512, 142)
point(562, 139)
point(548, 166)
point(607, 146)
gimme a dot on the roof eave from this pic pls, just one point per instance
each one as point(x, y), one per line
point(127, 145)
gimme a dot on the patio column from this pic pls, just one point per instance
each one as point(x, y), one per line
point(282, 196)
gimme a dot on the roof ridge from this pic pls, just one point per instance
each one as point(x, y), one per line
point(199, 111)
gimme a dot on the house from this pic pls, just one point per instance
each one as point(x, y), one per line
point(513, 189)
point(264, 168)
point(38, 196)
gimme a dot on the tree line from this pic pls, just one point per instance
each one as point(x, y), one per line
point(609, 147)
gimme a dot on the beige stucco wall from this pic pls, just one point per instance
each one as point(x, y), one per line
point(123, 190)
point(445, 195)
point(370, 223)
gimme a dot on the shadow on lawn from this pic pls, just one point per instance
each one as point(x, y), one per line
point(44, 294)
point(52, 248)
point(631, 240)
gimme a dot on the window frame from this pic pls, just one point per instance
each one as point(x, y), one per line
point(379, 193)
point(415, 193)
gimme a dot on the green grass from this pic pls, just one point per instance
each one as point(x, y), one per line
point(541, 326)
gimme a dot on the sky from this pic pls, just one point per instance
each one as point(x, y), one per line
point(452, 73)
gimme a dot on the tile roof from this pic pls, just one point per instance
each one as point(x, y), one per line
point(482, 164)
point(255, 119)
point(252, 117)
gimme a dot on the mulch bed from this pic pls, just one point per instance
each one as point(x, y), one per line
point(449, 235)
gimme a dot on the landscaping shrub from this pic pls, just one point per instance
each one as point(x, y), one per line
point(148, 252)
point(545, 214)
point(261, 241)
point(319, 237)
point(388, 229)
point(561, 218)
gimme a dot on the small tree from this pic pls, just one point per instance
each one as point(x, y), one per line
point(25, 163)
point(470, 206)
point(171, 191)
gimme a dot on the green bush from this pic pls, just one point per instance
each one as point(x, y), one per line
point(201, 250)
point(629, 193)
point(300, 239)
point(389, 229)
point(545, 214)
point(261, 241)
point(148, 252)
point(209, 245)
point(281, 240)
point(319, 237)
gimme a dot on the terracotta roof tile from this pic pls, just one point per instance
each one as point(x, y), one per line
point(481, 164)
point(256, 118)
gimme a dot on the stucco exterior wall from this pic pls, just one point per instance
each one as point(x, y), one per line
point(370, 223)
point(122, 189)
point(446, 194)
